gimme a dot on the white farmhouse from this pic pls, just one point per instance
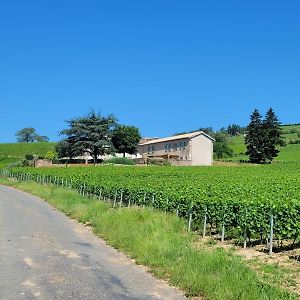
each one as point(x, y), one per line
point(191, 149)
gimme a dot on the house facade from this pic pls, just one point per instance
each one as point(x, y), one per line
point(191, 149)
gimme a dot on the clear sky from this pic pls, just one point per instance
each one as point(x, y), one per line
point(161, 65)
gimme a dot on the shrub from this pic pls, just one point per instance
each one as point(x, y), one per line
point(29, 157)
point(160, 162)
point(120, 161)
point(50, 155)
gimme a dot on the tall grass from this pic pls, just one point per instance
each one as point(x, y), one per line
point(160, 241)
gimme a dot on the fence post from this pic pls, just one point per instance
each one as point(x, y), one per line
point(177, 210)
point(152, 203)
point(223, 228)
point(205, 221)
point(144, 199)
point(115, 199)
point(190, 218)
point(245, 239)
point(121, 199)
point(271, 233)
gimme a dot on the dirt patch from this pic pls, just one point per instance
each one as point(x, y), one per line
point(280, 269)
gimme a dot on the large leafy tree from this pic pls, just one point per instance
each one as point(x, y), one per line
point(92, 134)
point(41, 138)
point(254, 138)
point(272, 135)
point(67, 148)
point(27, 135)
point(125, 139)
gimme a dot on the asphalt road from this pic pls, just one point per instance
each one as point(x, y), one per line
point(45, 255)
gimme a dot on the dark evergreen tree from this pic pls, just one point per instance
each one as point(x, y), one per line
point(255, 138)
point(272, 135)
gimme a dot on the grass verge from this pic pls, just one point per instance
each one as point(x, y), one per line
point(160, 241)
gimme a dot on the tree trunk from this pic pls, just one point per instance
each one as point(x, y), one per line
point(124, 153)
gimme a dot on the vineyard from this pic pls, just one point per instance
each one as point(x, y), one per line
point(237, 202)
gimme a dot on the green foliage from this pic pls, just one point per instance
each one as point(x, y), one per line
point(91, 134)
point(120, 161)
point(235, 129)
point(160, 241)
point(51, 155)
point(29, 135)
point(29, 157)
point(126, 138)
point(67, 148)
point(158, 162)
point(263, 137)
point(242, 196)
point(221, 148)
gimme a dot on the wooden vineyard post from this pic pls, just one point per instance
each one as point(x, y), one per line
point(121, 199)
point(245, 230)
point(177, 210)
point(271, 233)
point(99, 197)
point(167, 202)
point(144, 200)
point(115, 199)
point(205, 221)
point(152, 203)
point(223, 229)
point(190, 217)
point(245, 239)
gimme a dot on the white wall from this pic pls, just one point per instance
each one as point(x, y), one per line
point(202, 151)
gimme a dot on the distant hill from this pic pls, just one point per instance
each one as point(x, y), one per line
point(19, 150)
point(289, 153)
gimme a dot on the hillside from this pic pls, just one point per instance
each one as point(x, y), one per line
point(289, 153)
point(19, 150)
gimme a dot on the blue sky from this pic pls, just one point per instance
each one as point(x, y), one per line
point(163, 66)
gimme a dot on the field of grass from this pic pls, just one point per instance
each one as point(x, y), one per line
point(161, 242)
point(19, 150)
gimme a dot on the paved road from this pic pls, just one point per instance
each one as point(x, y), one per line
point(45, 255)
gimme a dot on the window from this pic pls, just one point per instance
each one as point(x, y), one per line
point(184, 144)
point(175, 146)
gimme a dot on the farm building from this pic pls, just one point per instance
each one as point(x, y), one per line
point(191, 149)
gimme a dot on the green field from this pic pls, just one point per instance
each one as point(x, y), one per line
point(288, 153)
point(19, 150)
point(240, 198)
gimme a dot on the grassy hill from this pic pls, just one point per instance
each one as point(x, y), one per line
point(19, 150)
point(289, 153)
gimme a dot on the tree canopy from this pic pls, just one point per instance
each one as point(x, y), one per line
point(29, 135)
point(125, 139)
point(91, 134)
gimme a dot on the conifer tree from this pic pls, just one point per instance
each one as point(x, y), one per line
point(254, 139)
point(263, 137)
point(272, 135)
